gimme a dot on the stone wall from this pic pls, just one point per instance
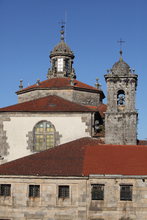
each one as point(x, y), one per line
point(121, 128)
point(128, 85)
point(79, 205)
point(81, 97)
point(121, 119)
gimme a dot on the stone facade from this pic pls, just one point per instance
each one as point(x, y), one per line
point(120, 128)
point(121, 115)
point(79, 205)
point(81, 97)
point(17, 130)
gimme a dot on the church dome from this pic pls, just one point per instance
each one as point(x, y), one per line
point(121, 68)
point(62, 49)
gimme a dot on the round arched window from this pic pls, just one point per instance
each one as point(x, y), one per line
point(44, 136)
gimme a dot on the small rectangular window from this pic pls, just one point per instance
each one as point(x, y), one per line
point(97, 192)
point(34, 191)
point(5, 189)
point(63, 191)
point(126, 192)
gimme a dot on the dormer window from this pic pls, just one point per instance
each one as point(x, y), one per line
point(60, 65)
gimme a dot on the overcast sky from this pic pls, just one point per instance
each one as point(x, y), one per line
point(29, 29)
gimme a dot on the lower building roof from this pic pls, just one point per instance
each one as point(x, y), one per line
point(81, 157)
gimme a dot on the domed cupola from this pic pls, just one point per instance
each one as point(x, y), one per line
point(120, 68)
point(62, 49)
point(61, 58)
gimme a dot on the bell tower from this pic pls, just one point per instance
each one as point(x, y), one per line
point(61, 58)
point(121, 115)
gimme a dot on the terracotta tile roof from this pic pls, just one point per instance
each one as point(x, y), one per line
point(100, 108)
point(47, 104)
point(60, 83)
point(81, 157)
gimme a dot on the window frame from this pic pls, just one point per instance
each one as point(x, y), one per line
point(5, 190)
point(63, 191)
point(34, 191)
point(45, 135)
point(97, 191)
point(127, 193)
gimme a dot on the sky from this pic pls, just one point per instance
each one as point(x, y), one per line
point(29, 30)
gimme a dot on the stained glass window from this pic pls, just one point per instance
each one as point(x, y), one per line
point(44, 136)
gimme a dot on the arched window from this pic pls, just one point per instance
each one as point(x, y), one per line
point(44, 136)
point(121, 98)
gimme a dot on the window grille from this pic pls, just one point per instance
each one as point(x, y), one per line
point(44, 136)
point(5, 189)
point(97, 191)
point(63, 192)
point(126, 192)
point(34, 190)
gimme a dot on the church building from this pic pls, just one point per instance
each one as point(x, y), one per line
point(67, 156)
point(52, 112)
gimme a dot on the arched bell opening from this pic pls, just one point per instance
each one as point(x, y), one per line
point(121, 99)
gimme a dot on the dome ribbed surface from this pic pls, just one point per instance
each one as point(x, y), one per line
point(121, 68)
point(62, 49)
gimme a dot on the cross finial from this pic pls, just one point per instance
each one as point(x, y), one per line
point(120, 42)
point(62, 23)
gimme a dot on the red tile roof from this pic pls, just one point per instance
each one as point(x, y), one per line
point(100, 108)
point(60, 83)
point(47, 104)
point(81, 157)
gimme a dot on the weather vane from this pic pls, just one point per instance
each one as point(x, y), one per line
point(120, 42)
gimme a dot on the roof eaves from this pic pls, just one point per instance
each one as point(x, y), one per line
point(43, 177)
point(42, 88)
point(43, 111)
point(60, 88)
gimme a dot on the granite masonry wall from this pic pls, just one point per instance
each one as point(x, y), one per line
point(81, 97)
point(79, 205)
point(121, 119)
